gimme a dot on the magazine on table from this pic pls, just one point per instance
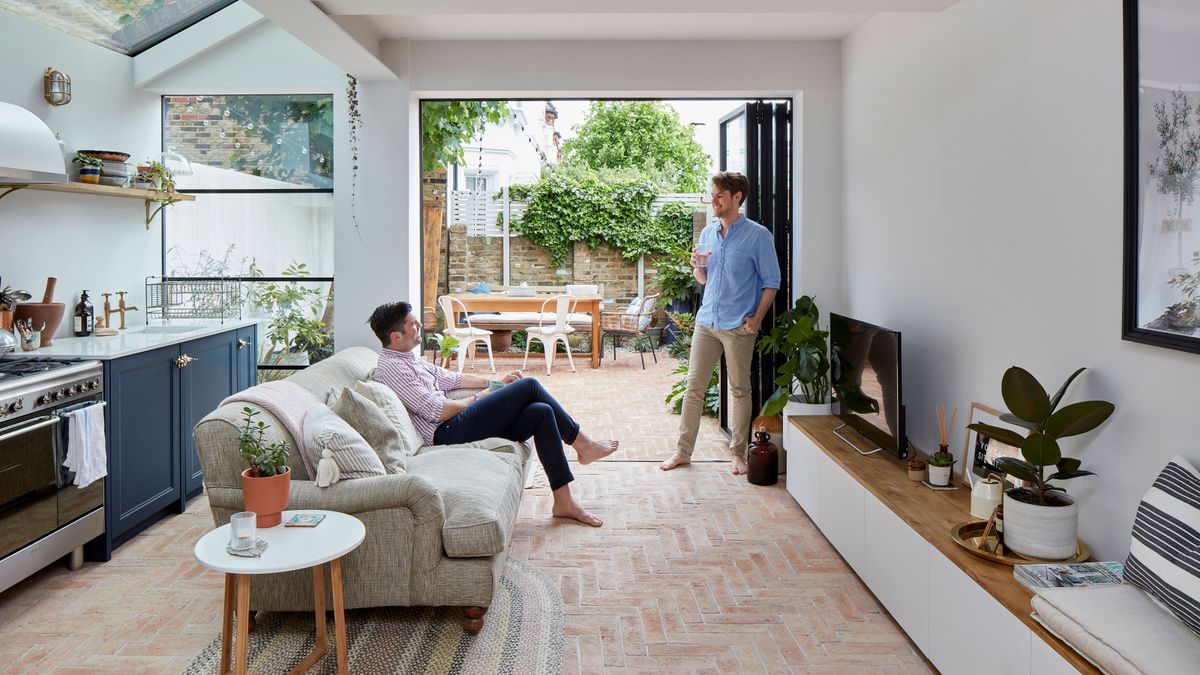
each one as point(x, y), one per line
point(1069, 575)
point(305, 520)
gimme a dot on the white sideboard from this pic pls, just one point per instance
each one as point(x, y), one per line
point(966, 614)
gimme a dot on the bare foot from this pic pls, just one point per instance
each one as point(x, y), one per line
point(677, 459)
point(590, 450)
point(737, 466)
point(576, 512)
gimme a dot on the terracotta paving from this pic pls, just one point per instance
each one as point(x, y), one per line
point(694, 571)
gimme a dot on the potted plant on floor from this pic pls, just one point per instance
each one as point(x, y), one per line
point(89, 167)
point(447, 346)
point(805, 370)
point(1040, 521)
point(265, 483)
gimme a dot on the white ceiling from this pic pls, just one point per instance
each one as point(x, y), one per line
point(612, 19)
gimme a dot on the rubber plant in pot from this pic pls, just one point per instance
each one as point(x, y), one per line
point(805, 369)
point(265, 484)
point(1041, 520)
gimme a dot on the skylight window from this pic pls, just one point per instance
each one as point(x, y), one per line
point(125, 26)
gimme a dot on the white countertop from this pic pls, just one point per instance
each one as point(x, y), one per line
point(139, 338)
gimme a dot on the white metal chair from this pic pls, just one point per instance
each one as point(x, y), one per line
point(551, 335)
point(467, 337)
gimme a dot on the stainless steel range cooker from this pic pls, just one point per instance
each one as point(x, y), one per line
point(43, 516)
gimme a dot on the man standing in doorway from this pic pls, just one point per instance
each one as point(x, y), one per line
point(735, 260)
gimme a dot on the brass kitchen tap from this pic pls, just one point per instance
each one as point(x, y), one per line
point(121, 308)
point(108, 310)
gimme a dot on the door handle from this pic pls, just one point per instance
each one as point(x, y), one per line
point(32, 427)
point(183, 361)
point(243, 343)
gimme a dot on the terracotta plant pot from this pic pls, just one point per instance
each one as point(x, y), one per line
point(50, 314)
point(266, 497)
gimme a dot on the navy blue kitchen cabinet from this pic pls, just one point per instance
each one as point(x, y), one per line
point(154, 399)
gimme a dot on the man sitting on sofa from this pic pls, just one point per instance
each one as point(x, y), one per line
point(520, 409)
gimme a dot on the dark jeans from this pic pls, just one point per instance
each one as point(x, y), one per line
point(516, 412)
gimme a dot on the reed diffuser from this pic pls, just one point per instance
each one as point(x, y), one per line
point(941, 463)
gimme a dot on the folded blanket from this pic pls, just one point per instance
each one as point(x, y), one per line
point(1119, 629)
point(289, 403)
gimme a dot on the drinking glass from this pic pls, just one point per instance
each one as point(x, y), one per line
point(241, 530)
point(702, 253)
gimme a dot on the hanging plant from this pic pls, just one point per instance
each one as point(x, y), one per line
point(355, 122)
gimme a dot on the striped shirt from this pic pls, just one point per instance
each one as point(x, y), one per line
point(420, 385)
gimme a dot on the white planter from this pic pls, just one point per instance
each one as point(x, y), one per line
point(796, 406)
point(940, 475)
point(1035, 531)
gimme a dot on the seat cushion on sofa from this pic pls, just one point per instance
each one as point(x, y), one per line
point(1164, 556)
point(1118, 628)
point(387, 401)
point(325, 430)
point(369, 421)
point(481, 492)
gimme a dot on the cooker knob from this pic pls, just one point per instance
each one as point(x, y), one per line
point(19, 405)
point(5, 408)
point(60, 394)
point(96, 383)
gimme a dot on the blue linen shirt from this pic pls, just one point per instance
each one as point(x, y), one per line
point(742, 264)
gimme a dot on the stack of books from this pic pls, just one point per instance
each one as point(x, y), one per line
point(1069, 575)
point(116, 173)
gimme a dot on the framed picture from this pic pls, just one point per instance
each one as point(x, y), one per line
point(980, 451)
point(1161, 304)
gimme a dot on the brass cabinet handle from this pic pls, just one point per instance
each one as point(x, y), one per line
point(183, 361)
point(243, 343)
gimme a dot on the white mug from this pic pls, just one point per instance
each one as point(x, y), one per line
point(985, 497)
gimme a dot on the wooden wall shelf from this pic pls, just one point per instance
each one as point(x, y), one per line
point(147, 196)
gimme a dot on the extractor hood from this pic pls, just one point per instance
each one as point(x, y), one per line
point(29, 153)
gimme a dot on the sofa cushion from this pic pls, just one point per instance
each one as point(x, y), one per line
point(1118, 628)
point(386, 400)
point(324, 430)
point(1164, 556)
point(481, 492)
point(369, 421)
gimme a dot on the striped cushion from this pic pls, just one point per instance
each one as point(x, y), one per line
point(1164, 557)
point(324, 430)
point(382, 395)
point(369, 421)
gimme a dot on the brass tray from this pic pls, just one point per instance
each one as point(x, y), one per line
point(967, 536)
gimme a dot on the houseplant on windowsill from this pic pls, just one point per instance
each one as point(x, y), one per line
point(1041, 521)
point(265, 483)
point(805, 370)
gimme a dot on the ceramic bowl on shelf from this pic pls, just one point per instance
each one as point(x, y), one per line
point(107, 155)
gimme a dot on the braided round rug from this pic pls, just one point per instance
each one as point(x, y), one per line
point(522, 633)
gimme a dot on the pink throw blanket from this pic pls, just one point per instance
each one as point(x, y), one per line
point(288, 402)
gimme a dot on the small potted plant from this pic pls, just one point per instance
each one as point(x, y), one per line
point(941, 465)
point(447, 345)
point(805, 370)
point(1041, 521)
point(265, 483)
point(89, 167)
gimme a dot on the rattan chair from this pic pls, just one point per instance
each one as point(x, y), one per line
point(635, 325)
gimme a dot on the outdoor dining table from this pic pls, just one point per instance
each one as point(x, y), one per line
point(503, 302)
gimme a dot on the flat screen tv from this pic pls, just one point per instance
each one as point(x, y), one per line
point(866, 377)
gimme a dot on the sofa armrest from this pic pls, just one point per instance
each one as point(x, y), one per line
point(360, 495)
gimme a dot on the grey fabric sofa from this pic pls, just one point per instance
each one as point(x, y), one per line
point(436, 535)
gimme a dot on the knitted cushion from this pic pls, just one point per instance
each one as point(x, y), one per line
point(324, 430)
point(1164, 556)
point(382, 396)
point(368, 420)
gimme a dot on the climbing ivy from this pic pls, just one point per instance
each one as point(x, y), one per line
point(612, 207)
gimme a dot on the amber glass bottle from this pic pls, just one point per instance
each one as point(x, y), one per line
point(85, 317)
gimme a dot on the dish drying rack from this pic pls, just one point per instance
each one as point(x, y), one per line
point(168, 299)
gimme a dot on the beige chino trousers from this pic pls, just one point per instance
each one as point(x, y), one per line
point(707, 346)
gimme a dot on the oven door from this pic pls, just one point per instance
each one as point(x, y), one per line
point(28, 481)
point(74, 502)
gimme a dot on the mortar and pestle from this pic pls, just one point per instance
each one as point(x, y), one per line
point(47, 311)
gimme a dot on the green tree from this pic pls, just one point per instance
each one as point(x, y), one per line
point(644, 135)
point(446, 125)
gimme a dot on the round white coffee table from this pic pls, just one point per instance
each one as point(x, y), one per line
point(288, 548)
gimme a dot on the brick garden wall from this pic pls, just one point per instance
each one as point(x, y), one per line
point(205, 135)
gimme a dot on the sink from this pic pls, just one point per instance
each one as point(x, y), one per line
point(167, 330)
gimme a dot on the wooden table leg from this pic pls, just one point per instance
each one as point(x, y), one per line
point(339, 615)
point(596, 334)
point(322, 646)
point(227, 621)
point(241, 646)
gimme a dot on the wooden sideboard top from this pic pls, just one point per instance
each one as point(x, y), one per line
point(932, 514)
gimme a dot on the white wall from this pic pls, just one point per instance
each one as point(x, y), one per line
point(96, 243)
point(808, 72)
point(983, 204)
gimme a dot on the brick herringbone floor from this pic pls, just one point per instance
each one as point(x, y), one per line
point(695, 570)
